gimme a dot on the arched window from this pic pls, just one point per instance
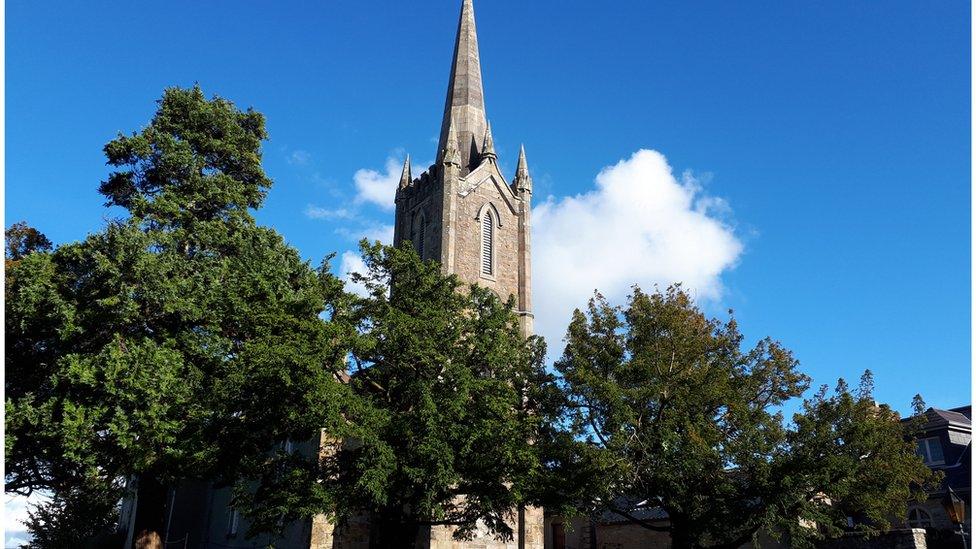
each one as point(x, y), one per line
point(487, 242)
point(421, 236)
point(919, 518)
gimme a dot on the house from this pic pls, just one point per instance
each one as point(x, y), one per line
point(944, 442)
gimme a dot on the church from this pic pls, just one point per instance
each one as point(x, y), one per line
point(462, 212)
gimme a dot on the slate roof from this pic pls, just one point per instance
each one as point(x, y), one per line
point(640, 510)
point(955, 417)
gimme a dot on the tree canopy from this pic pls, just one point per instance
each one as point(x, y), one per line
point(182, 338)
point(448, 403)
point(689, 421)
point(183, 341)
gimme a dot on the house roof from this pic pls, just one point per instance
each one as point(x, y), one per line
point(641, 510)
point(964, 410)
point(955, 417)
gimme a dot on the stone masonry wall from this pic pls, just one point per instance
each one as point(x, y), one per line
point(467, 257)
point(442, 537)
point(909, 538)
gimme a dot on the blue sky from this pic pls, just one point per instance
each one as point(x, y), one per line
point(829, 140)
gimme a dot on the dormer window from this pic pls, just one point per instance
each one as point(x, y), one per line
point(487, 243)
point(919, 518)
point(930, 450)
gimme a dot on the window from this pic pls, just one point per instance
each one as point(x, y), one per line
point(422, 236)
point(930, 450)
point(232, 521)
point(487, 241)
point(919, 518)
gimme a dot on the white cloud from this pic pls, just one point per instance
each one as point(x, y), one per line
point(378, 188)
point(383, 233)
point(640, 225)
point(317, 212)
point(371, 232)
point(352, 262)
point(14, 514)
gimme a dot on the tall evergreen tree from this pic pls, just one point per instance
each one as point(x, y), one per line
point(449, 402)
point(687, 420)
point(180, 340)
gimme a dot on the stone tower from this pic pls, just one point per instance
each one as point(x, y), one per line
point(461, 211)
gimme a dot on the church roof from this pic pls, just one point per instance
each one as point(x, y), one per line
point(465, 104)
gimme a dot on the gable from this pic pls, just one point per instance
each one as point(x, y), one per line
point(487, 174)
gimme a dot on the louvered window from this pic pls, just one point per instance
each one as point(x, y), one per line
point(487, 241)
point(421, 237)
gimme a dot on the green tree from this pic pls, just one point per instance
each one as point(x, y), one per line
point(82, 516)
point(22, 239)
point(918, 405)
point(449, 392)
point(687, 420)
point(182, 339)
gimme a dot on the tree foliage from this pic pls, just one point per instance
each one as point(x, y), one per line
point(688, 421)
point(182, 338)
point(448, 400)
point(22, 239)
point(81, 516)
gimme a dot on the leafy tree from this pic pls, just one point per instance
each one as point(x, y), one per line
point(82, 516)
point(180, 340)
point(687, 420)
point(860, 459)
point(22, 239)
point(449, 394)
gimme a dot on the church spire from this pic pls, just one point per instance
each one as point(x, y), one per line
point(405, 176)
point(465, 105)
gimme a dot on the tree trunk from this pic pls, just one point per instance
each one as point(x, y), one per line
point(150, 513)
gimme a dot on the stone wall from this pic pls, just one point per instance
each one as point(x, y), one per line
point(442, 537)
point(421, 200)
point(325, 535)
point(909, 538)
point(504, 281)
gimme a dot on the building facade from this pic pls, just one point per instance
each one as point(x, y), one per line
point(944, 442)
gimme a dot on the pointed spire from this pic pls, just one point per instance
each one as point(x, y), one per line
point(523, 181)
point(405, 176)
point(488, 145)
point(465, 104)
point(450, 154)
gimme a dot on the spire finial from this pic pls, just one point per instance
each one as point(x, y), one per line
point(405, 176)
point(465, 104)
point(523, 181)
point(488, 145)
point(450, 154)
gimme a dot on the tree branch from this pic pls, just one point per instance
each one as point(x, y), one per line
point(640, 522)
